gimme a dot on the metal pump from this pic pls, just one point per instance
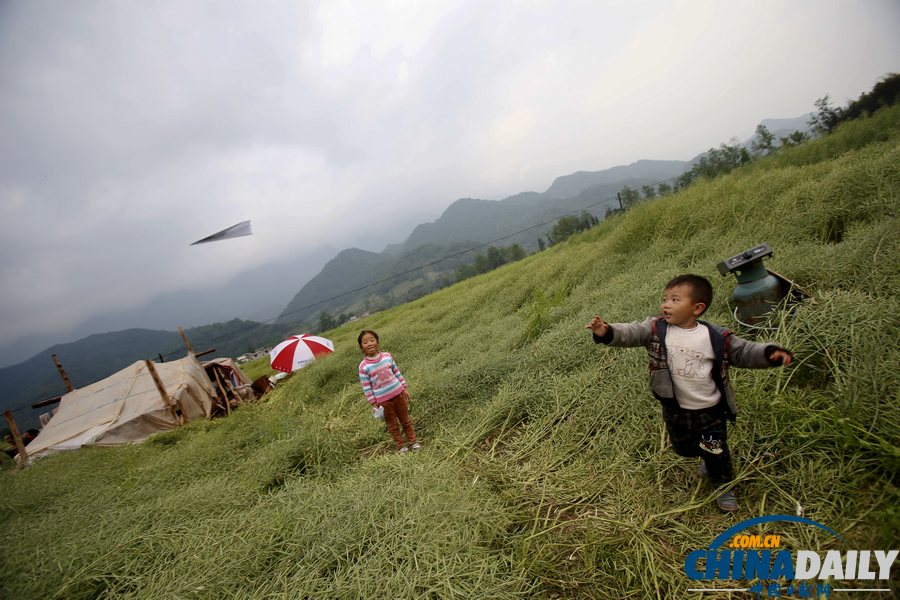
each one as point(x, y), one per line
point(759, 290)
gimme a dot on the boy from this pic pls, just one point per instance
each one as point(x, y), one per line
point(689, 361)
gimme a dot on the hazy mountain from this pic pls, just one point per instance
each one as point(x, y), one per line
point(367, 281)
point(360, 280)
point(100, 355)
point(646, 171)
point(785, 127)
point(465, 223)
point(257, 294)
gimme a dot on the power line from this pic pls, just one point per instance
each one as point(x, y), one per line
point(395, 276)
point(402, 273)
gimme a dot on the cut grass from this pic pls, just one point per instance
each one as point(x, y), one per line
point(546, 470)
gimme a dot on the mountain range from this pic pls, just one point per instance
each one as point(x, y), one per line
point(353, 281)
point(406, 270)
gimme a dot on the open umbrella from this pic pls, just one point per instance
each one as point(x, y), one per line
point(298, 351)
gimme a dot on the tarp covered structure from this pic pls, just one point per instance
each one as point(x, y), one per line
point(128, 407)
point(230, 379)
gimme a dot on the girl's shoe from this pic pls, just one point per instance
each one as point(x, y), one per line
point(403, 450)
point(416, 447)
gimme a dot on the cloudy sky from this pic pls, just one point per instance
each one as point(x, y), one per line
point(130, 129)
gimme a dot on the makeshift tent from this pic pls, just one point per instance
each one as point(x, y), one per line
point(230, 381)
point(128, 407)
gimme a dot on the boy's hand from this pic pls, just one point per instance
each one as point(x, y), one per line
point(598, 326)
point(781, 356)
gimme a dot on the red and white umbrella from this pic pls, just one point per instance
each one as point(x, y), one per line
point(298, 351)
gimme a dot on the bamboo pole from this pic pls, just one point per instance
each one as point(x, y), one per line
point(223, 390)
point(186, 340)
point(46, 402)
point(62, 373)
point(14, 430)
point(162, 392)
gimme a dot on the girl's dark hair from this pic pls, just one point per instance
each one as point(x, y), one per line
point(364, 332)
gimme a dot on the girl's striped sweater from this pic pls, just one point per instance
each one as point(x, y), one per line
point(380, 378)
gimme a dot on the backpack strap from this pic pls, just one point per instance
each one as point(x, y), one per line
point(726, 333)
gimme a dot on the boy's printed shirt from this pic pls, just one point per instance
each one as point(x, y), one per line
point(380, 378)
point(690, 358)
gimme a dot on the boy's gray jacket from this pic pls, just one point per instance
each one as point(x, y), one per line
point(728, 349)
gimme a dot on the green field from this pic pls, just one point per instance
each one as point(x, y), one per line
point(546, 471)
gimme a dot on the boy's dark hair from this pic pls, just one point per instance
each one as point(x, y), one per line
point(364, 332)
point(701, 288)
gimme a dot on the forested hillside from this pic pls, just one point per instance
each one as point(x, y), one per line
point(464, 224)
point(546, 471)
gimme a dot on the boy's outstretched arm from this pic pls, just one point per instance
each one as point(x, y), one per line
point(600, 330)
point(758, 355)
point(782, 357)
point(598, 326)
point(636, 333)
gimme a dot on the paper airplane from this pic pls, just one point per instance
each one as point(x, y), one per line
point(242, 228)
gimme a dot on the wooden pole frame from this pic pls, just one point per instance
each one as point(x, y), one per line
point(167, 400)
point(62, 373)
point(223, 390)
point(187, 342)
point(17, 438)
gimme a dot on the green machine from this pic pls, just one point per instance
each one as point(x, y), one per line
point(759, 290)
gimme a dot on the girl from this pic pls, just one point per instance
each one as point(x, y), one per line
point(385, 388)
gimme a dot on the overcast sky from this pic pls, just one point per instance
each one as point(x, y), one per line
point(130, 129)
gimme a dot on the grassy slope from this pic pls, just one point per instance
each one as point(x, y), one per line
point(546, 470)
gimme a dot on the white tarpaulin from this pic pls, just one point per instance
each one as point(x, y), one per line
point(127, 407)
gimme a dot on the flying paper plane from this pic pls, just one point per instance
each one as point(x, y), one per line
point(242, 228)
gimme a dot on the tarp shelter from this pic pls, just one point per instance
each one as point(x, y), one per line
point(128, 407)
point(231, 381)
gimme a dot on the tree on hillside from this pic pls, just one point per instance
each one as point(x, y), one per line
point(481, 264)
point(326, 321)
point(541, 245)
point(513, 253)
point(663, 189)
point(629, 197)
point(715, 162)
point(649, 192)
point(764, 140)
point(826, 117)
point(884, 93)
point(795, 139)
point(569, 225)
point(495, 257)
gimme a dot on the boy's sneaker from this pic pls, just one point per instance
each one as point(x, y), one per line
point(416, 447)
point(403, 450)
point(727, 502)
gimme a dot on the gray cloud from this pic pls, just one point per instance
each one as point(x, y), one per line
point(128, 130)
